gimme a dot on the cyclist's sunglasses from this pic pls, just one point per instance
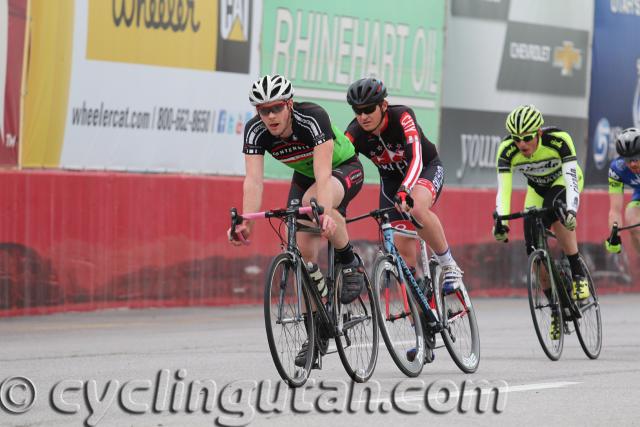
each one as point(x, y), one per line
point(367, 109)
point(275, 109)
point(525, 138)
point(632, 159)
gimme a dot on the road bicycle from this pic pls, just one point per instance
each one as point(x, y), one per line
point(554, 275)
point(411, 313)
point(290, 295)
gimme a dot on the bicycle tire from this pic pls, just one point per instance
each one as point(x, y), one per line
point(460, 327)
point(541, 308)
point(286, 339)
point(357, 341)
point(398, 317)
point(589, 326)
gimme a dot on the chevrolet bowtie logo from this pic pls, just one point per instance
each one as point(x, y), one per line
point(568, 58)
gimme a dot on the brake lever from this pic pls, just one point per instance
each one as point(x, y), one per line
point(236, 220)
point(316, 210)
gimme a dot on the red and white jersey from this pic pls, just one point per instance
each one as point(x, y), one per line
point(401, 149)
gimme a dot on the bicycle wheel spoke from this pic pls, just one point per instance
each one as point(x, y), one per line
point(589, 326)
point(399, 320)
point(543, 309)
point(358, 344)
point(286, 330)
point(460, 335)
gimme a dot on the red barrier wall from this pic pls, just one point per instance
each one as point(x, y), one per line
point(84, 241)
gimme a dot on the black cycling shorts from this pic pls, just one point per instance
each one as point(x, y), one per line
point(350, 174)
point(431, 177)
point(557, 192)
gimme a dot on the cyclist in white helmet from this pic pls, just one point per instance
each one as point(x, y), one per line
point(547, 158)
point(625, 170)
point(300, 135)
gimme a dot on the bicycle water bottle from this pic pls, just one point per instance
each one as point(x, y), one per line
point(318, 278)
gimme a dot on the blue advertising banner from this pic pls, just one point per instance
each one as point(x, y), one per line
point(615, 82)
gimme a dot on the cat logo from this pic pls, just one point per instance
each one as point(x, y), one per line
point(234, 36)
point(234, 20)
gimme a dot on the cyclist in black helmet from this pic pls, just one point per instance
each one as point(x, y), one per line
point(411, 173)
point(625, 170)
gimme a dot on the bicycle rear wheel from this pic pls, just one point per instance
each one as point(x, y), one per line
point(358, 325)
point(284, 321)
point(541, 307)
point(398, 317)
point(589, 327)
point(460, 333)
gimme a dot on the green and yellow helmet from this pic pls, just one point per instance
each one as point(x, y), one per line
point(524, 120)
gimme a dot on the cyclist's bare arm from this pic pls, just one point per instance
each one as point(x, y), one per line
point(322, 158)
point(616, 201)
point(253, 185)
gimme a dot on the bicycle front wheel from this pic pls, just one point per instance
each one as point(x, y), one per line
point(357, 341)
point(460, 333)
point(285, 322)
point(544, 306)
point(589, 326)
point(398, 317)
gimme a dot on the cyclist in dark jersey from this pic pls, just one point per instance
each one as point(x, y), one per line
point(411, 174)
point(300, 135)
point(625, 170)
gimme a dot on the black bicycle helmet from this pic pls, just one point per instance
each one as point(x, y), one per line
point(628, 143)
point(366, 91)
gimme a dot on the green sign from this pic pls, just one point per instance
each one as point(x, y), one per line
point(322, 47)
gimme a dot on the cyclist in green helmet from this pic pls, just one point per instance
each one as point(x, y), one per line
point(547, 158)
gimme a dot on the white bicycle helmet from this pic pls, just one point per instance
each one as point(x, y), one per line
point(269, 89)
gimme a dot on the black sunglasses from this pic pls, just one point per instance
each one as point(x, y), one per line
point(275, 109)
point(367, 109)
point(525, 138)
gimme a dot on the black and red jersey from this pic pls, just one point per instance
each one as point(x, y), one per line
point(401, 150)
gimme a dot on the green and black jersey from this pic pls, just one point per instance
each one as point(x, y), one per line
point(311, 127)
point(553, 163)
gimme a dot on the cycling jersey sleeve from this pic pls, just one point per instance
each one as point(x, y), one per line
point(315, 120)
point(506, 151)
point(413, 150)
point(253, 131)
point(567, 153)
point(352, 133)
point(570, 173)
point(616, 186)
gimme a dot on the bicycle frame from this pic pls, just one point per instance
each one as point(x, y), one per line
point(542, 245)
point(388, 231)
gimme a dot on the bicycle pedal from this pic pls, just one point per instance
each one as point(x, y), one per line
point(317, 364)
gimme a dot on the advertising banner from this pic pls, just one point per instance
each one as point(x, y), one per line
point(615, 83)
point(323, 47)
point(521, 52)
point(12, 30)
point(154, 86)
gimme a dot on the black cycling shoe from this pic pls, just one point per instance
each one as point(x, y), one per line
point(352, 281)
point(301, 358)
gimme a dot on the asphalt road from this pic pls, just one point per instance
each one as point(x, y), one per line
point(137, 368)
